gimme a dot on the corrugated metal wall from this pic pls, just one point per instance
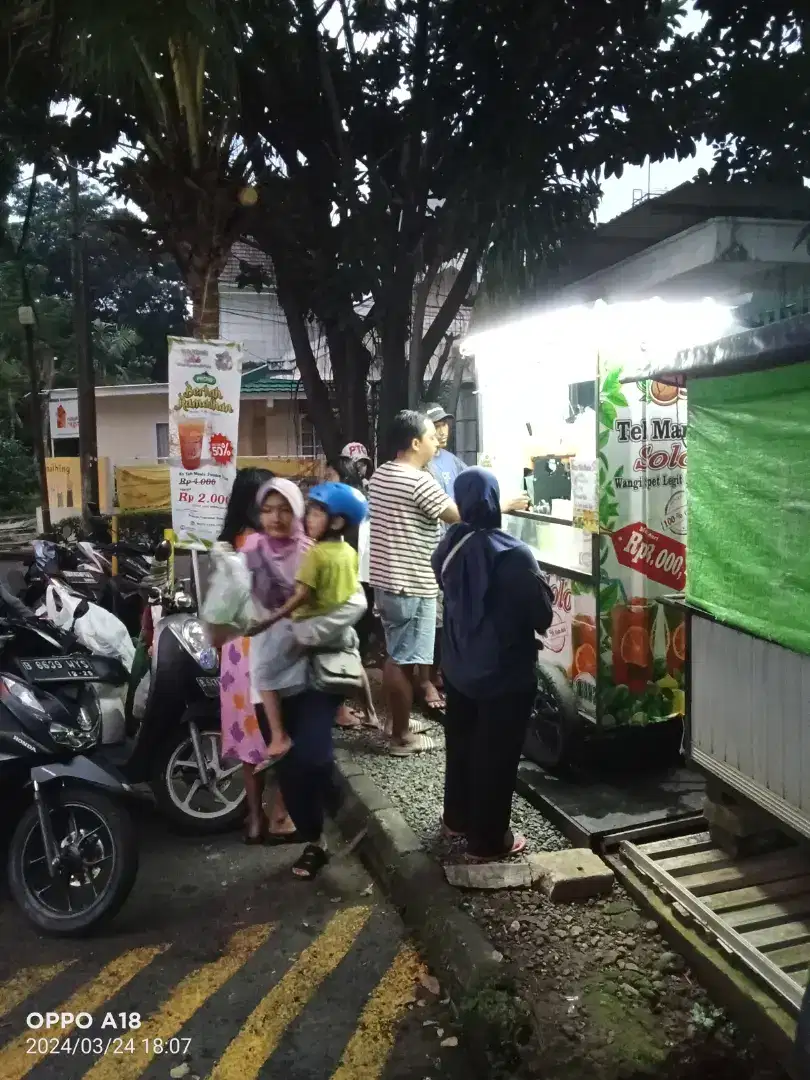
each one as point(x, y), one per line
point(750, 717)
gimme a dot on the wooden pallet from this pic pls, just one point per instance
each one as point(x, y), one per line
point(757, 908)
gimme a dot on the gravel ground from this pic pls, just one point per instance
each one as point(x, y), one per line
point(608, 999)
point(414, 786)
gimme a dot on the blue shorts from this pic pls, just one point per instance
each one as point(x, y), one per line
point(409, 623)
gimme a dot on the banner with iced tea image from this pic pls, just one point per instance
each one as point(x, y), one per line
point(642, 524)
point(205, 379)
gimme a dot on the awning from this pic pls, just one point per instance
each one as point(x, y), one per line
point(776, 345)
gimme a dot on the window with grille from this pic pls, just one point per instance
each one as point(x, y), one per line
point(309, 445)
point(162, 441)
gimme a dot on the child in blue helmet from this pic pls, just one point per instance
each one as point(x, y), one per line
point(327, 576)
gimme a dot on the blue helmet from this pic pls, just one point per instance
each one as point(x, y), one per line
point(340, 499)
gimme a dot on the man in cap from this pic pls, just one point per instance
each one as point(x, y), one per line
point(445, 466)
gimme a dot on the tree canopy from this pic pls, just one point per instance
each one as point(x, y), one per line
point(759, 118)
point(374, 149)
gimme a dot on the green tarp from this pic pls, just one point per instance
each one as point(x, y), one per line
point(748, 484)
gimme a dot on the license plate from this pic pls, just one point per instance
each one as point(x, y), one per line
point(59, 669)
point(209, 684)
point(79, 577)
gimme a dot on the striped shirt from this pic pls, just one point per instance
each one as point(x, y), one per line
point(405, 504)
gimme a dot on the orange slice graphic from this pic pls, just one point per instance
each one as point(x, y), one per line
point(679, 641)
point(585, 660)
point(635, 646)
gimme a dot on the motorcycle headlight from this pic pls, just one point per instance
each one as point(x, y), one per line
point(194, 636)
point(89, 718)
point(69, 737)
point(24, 694)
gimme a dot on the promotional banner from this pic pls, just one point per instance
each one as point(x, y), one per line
point(570, 643)
point(642, 520)
point(64, 417)
point(204, 390)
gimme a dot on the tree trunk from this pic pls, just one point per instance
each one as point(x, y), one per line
point(317, 393)
point(204, 289)
point(394, 344)
point(350, 361)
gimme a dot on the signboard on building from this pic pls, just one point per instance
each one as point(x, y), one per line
point(64, 417)
point(204, 389)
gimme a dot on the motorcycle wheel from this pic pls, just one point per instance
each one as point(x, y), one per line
point(555, 727)
point(97, 840)
point(175, 783)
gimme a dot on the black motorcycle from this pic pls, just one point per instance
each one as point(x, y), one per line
point(87, 569)
point(173, 720)
point(161, 726)
point(73, 856)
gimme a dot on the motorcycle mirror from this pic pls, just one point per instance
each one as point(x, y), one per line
point(163, 552)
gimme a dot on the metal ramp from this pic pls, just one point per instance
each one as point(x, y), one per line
point(757, 909)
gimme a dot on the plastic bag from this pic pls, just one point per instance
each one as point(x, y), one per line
point(98, 630)
point(229, 597)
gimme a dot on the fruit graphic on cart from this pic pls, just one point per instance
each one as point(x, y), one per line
point(585, 660)
point(635, 646)
point(678, 641)
point(662, 393)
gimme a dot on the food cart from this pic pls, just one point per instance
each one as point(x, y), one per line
point(603, 462)
point(748, 587)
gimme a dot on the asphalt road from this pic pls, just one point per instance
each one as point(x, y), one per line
point(230, 965)
point(221, 959)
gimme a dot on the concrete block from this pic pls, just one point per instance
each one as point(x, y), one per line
point(576, 874)
point(737, 819)
point(514, 875)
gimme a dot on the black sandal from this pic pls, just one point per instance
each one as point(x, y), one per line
point(311, 860)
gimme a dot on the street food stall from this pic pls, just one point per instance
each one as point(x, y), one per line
point(603, 462)
point(748, 587)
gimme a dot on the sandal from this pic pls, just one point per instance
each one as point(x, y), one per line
point(311, 860)
point(517, 848)
point(448, 833)
point(416, 744)
point(269, 762)
point(347, 718)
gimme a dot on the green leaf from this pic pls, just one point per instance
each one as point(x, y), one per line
point(618, 399)
point(619, 472)
point(607, 414)
point(604, 438)
point(610, 383)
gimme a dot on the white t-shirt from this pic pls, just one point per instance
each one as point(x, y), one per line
point(405, 505)
point(364, 551)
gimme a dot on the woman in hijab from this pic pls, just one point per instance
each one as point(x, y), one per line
point(495, 602)
point(241, 735)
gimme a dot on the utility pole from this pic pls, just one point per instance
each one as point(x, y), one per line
point(86, 380)
point(26, 317)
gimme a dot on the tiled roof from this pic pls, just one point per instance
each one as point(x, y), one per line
point(244, 251)
point(262, 381)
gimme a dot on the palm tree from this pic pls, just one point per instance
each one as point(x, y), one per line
point(159, 88)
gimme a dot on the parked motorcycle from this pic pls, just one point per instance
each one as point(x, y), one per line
point(87, 568)
point(162, 726)
point(73, 855)
point(174, 719)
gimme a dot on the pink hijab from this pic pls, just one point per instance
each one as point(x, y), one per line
point(278, 558)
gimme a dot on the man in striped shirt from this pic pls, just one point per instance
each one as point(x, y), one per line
point(406, 505)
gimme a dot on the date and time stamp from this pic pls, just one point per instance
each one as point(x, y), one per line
point(82, 1034)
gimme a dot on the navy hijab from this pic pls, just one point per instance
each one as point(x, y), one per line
point(469, 572)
